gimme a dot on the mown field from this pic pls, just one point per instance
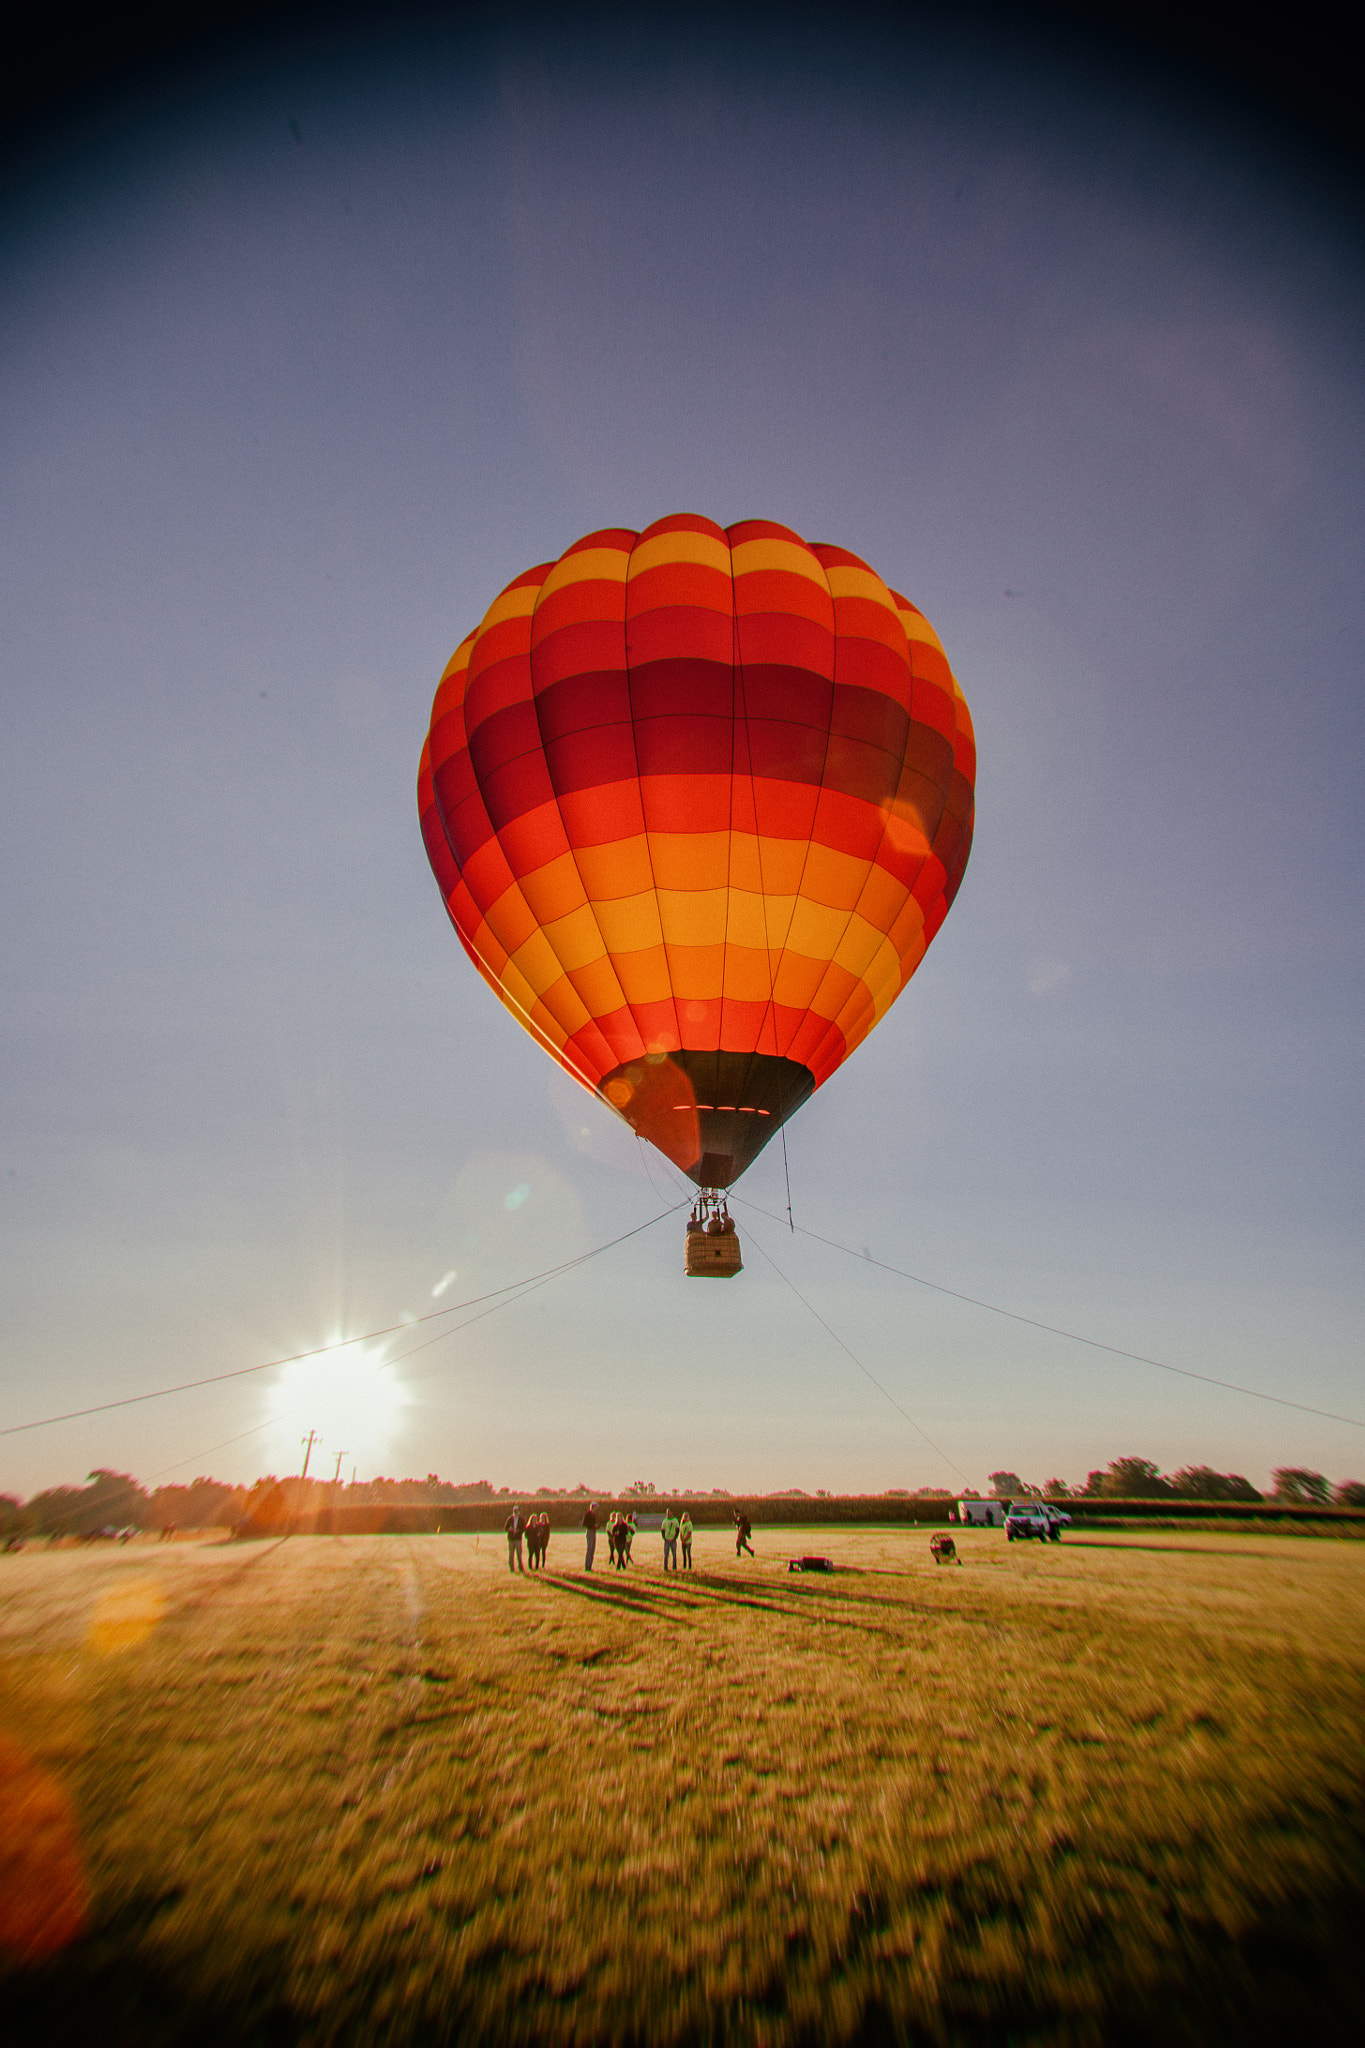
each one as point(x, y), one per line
point(374, 1790)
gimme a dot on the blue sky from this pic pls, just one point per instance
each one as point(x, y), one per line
point(307, 357)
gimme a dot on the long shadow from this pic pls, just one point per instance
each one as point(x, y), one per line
point(1158, 1549)
point(204, 1595)
point(627, 1599)
point(791, 1596)
point(656, 1602)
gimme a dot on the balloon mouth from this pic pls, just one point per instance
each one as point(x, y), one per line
point(709, 1112)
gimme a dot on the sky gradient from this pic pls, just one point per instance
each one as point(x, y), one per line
point(306, 356)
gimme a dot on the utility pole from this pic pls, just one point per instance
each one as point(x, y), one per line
point(308, 1442)
point(332, 1498)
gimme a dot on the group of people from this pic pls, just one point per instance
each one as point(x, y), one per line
point(535, 1534)
point(622, 1531)
point(676, 1531)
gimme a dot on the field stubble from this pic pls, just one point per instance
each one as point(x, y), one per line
point(375, 1789)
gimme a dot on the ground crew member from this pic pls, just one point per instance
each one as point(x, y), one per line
point(685, 1531)
point(590, 1524)
point(669, 1531)
point(744, 1529)
point(515, 1528)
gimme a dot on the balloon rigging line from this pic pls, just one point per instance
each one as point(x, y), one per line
point(509, 1300)
point(788, 1172)
point(965, 1478)
point(513, 1287)
point(643, 1151)
point(1054, 1330)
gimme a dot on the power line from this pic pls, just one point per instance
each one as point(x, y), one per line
point(1053, 1330)
point(854, 1356)
point(514, 1287)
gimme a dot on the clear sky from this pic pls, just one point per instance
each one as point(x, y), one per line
point(306, 355)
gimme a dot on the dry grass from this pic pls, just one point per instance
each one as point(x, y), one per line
point(371, 1789)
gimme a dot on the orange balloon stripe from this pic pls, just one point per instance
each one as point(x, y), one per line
point(688, 732)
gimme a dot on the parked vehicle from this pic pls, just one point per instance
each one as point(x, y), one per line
point(1034, 1518)
point(981, 1514)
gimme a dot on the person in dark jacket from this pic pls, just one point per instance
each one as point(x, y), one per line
point(590, 1524)
point(516, 1529)
point(744, 1529)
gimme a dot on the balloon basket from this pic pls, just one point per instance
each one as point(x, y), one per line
point(712, 1244)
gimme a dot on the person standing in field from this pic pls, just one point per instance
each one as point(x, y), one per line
point(685, 1531)
point(669, 1531)
point(515, 1528)
point(628, 1535)
point(544, 1538)
point(590, 1524)
point(744, 1529)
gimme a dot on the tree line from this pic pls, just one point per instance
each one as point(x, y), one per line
point(115, 1500)
point(1139, 1479)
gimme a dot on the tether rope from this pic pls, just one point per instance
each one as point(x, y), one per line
point(514, 1287)
point(830, 1331)
point(1054, 1330)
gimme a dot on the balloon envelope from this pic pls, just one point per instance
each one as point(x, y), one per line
point(698, 799)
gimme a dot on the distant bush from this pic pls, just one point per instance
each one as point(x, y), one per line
point(1300, 1487)
point(1201, 1482)
point(1135, 1479)
point(109, 1500)
point(205, 1504)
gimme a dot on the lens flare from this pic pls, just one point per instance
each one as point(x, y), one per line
point(125, 1616)
point(44, 1894)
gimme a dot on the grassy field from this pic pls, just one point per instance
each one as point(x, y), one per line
point(373, 1789)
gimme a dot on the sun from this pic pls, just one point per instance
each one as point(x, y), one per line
point(351, 1395)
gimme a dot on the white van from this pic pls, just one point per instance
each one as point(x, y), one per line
point(981, 1514)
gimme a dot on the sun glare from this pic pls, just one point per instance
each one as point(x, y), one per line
point(351, 1396)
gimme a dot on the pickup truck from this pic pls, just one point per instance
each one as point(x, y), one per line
point(1035, 1518)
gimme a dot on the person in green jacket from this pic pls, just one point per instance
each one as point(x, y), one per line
point(669, 1532)
point(685, 1531)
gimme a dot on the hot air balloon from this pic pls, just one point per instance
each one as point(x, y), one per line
point(698, 799)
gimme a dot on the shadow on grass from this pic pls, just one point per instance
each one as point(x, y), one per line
point(812, 1604)
point(633, 1600)
point(1160, 1549)
point(661, 1602)
point(1296, 1973)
